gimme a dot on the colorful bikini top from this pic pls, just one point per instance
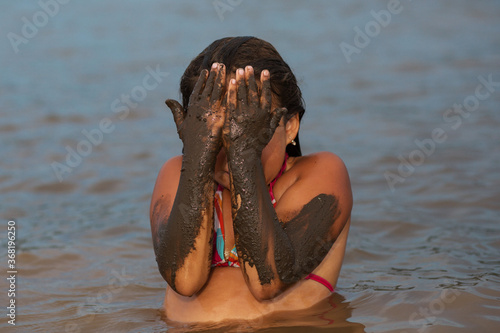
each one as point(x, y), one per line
point(219, 259)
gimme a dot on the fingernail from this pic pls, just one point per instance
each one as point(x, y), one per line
point(241, 71)
point(248, 68)
point(265, 72)
point(214, 65)
point(233, 81)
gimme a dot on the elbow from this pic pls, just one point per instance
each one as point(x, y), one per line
point(180, 283)
point(185, 289)
point(263, 296)
point(265, 292)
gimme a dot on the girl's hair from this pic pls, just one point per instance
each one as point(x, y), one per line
point(238, 52)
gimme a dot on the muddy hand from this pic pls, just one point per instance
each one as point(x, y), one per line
point(250, 122)
point(204, 119)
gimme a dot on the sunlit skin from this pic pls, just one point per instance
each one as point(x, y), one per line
point(204, 294)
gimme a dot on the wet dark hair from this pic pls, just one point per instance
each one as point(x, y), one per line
point(238, 52)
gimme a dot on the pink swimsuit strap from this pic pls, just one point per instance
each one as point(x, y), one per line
point(321, 280)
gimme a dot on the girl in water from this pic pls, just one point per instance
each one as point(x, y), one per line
point(243, 225)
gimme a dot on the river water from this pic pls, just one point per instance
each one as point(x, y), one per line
point(405, 102)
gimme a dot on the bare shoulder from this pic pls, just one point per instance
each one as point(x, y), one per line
point(167, 182)
point(321, 161)
point(169, 174)
point(325, 172)
point(322, 173)
point(172, 165)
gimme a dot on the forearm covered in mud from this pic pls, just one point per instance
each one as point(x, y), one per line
point(184, 246)
point(264, 249)
point(278, 253)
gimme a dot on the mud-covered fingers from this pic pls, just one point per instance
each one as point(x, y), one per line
point(253, 96)
point(198, 87)
point(277, 114)
point(230, 107)
point(241, 88)
point(177, 112)
point(265, 95)
point(207, 91)
point(219, 84)
point(231, 97)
